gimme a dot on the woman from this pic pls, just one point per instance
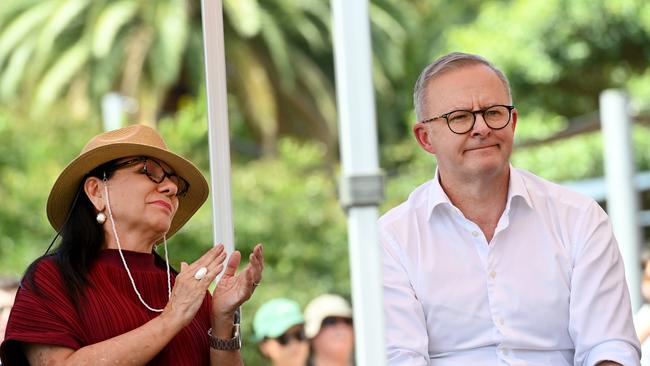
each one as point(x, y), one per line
point(328, 326)
point(104, 296)
point(279, 329)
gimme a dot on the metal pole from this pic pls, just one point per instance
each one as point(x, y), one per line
point(361, 183)
point(218, 132)
point(622, 196)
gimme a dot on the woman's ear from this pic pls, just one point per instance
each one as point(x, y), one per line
point(94, 189)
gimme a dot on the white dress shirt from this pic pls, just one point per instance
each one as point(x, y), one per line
point(641, 319)
point(549, 289)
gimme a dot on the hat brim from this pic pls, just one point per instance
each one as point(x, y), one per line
point(281, 326)
point(68, 182)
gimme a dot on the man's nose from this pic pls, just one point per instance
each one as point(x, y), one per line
point(480, 126)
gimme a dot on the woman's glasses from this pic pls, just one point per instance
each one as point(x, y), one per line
point(156, 173)
point(333, 320)
point(298, 335)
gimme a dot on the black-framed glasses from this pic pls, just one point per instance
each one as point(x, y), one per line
point(286, 338)
point(156, 173)
point(462, 121)
point(333, 320)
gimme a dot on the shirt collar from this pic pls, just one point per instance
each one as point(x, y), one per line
point(516, 188)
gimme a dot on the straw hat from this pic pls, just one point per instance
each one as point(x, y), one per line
point(135, 140)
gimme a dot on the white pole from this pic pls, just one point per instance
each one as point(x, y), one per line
point(361, 187)
point(218, 132)
point(622, 196)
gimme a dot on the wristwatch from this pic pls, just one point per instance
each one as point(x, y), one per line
point(230, 344)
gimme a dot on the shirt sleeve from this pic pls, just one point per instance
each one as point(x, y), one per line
point(600, 310)
point(45, 317)
point(406, 330)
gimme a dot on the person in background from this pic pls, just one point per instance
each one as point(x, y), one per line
point(642, 316)
point(8, 287)
point(488, 264)
point(104, 296)
point(278, 326)
point(328, 326)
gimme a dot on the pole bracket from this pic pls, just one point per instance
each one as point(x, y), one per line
point(361, 190)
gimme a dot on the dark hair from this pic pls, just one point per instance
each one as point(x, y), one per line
point(81, 242)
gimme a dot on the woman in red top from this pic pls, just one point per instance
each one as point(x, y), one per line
point(104, 296)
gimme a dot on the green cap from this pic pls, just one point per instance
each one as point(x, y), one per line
point(274, 317)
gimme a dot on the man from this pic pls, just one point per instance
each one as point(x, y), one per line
point(487, 264)
point(279, 329)
point(328, 326)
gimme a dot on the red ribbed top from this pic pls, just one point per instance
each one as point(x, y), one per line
point(112, 308)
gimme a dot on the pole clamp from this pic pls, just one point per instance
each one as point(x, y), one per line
point(361, 190)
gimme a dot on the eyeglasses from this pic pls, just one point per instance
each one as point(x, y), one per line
point(156, 173)
point(331, 321)
point(286, 338)
point(462, 121)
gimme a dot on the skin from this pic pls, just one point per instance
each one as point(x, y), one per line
point(143, 210)
point(333, 345)
point(474, 167)
point(294, 353)
point(6, 302)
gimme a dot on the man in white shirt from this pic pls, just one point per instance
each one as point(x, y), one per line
point(487, 264)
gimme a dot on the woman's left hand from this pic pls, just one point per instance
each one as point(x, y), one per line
point(235, 288)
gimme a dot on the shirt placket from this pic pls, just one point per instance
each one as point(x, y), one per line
point(497, 297)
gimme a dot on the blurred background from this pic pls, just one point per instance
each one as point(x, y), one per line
point(63, 63)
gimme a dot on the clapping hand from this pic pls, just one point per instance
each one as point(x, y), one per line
point(235, 288)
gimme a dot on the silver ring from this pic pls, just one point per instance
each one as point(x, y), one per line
point(200, 273)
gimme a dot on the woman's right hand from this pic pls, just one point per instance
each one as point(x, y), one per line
point(188, 292)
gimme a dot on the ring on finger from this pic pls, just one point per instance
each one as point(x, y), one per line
point(200, 273)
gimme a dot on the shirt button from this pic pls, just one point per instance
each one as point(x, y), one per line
point(493, 274)
point(474, 233)
point(505, 351)
point(501, 321)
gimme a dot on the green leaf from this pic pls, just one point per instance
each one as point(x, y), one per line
point(61, 73)
point(58, 22)
point(245, 16)
point(172, 24)
point(13, 73)
point(109, 23)
point(22, 26)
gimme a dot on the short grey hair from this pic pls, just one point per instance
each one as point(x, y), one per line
point(448, 62)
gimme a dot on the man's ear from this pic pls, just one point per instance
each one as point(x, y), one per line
point(514, 119)
point(423, 134)
point(94, 189)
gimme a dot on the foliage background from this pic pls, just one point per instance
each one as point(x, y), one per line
point(58, 58)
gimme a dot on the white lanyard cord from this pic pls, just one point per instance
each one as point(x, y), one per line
point(128, 272)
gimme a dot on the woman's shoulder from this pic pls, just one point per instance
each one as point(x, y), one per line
point(43, 270)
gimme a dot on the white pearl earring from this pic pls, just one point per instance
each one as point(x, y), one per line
point(101, 218)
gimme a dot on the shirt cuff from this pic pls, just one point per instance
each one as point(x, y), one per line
point(617, 351)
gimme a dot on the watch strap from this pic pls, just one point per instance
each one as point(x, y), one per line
point(222, 344)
